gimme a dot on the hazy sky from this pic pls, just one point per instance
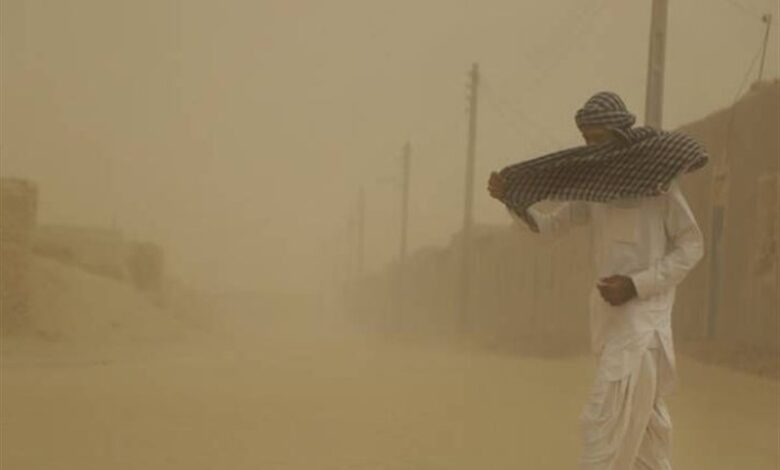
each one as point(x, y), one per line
point(237, 133)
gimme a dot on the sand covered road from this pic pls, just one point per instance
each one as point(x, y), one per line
point(292, 398)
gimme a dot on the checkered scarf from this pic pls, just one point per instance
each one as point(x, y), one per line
point(604, 109)
point(641, 162)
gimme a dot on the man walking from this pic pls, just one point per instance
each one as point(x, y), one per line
point(645, 240)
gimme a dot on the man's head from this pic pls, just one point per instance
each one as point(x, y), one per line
point(601, 116)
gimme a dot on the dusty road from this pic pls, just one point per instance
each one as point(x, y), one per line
point(286, 397)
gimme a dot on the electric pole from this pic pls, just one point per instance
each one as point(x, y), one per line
point(406, 171)
point(468, 208)
point(361, 231)
point(767, 18)
point(656, 61)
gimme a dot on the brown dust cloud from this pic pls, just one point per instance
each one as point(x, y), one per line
point(202, 223)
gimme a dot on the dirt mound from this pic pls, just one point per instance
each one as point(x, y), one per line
point(70, 305)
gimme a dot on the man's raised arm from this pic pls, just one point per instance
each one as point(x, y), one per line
point(559, 221)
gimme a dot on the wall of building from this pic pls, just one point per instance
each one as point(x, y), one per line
point(734, 297)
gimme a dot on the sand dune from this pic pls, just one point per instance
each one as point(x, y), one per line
point(80, 316)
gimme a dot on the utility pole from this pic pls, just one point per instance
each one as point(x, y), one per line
point(350, 249)
point(406, 170)
point(468, 208)
point(767, 18)
point(656, 61)
point(361, 231)
point(406, 155)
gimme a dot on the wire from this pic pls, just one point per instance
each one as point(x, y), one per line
point(748, 72)
point(744, 10)
point(584, 21)
point(733, 111)
point(563, 25)
point(438, 137)
point(503, 112)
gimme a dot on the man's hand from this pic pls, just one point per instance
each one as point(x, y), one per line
point(617, 290)
point(496, 186)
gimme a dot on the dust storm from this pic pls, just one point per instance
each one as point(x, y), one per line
point(234, 233)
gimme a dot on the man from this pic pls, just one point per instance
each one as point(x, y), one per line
point(645, 240)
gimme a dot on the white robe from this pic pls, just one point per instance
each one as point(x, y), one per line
point(655, 241)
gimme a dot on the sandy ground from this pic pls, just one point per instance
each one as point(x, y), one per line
point(275, 392)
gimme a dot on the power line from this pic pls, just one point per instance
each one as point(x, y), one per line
point(445, 131)
point(580, 27)
point(744, 10)
point(503, 112)
point(584, 21)
point(564, 25)
point(767, 18)
point(748, 72)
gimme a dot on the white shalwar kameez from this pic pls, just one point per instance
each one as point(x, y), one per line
point(655, 241)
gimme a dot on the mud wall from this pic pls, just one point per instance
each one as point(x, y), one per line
point(518, 298)
point(733, 296)
point(18, 208)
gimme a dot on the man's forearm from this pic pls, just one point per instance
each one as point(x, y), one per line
point(668, 271)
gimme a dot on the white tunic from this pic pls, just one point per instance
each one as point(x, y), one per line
point(655, 241)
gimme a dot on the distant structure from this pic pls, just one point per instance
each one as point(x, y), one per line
point(18, 211)
point(102, 251)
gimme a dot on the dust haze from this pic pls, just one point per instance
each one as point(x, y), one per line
point(202, 215)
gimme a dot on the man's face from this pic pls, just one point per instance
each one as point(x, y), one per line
point(596, 135)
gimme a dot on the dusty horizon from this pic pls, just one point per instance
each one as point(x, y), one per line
point(238, 135)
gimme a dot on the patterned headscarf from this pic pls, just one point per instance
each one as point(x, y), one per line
point(641, 162)
point(605, 109)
